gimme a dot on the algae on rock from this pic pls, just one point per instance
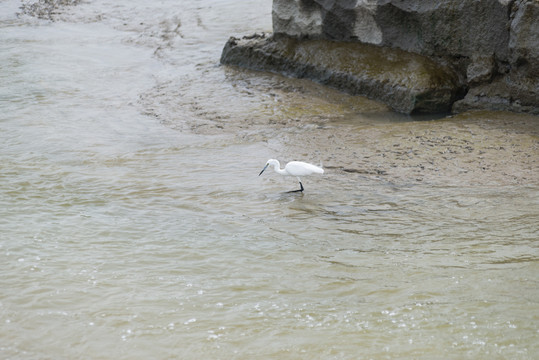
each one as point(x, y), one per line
point(405, 81)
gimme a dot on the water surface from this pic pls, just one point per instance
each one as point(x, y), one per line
point(134, 225)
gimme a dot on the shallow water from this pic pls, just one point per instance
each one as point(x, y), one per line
point(134, 226)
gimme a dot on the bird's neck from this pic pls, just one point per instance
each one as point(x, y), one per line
point(277, 168)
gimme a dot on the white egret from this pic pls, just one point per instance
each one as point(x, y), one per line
point(294, 168)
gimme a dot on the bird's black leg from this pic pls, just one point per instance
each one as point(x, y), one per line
point(299, 190)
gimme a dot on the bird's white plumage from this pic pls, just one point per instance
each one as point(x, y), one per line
point(300, 168)
point(294, 168)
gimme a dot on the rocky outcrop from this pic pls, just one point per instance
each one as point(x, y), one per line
point(514, 83)
point(491, 46)
point(450, 27)
point(405, 81)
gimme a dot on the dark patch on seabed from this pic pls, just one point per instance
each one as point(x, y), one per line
point(46, 9)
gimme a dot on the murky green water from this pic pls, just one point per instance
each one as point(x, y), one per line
point(133, 224)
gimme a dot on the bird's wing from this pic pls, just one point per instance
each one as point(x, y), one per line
point(300, 168)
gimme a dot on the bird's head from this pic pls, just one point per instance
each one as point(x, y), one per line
point(272, 162)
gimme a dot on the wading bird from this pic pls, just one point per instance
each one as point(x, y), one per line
point(294, 168)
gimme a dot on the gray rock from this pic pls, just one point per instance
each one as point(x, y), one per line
point(480, 70)
point(491, 47)
point(524, 39)
point(507, 93)
point(434, 28)
point(515, 86)
point(407, 82)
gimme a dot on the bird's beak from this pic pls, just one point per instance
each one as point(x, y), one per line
point(265, 167)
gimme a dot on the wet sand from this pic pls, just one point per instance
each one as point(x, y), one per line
point(484, 148)
point(356, 137)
